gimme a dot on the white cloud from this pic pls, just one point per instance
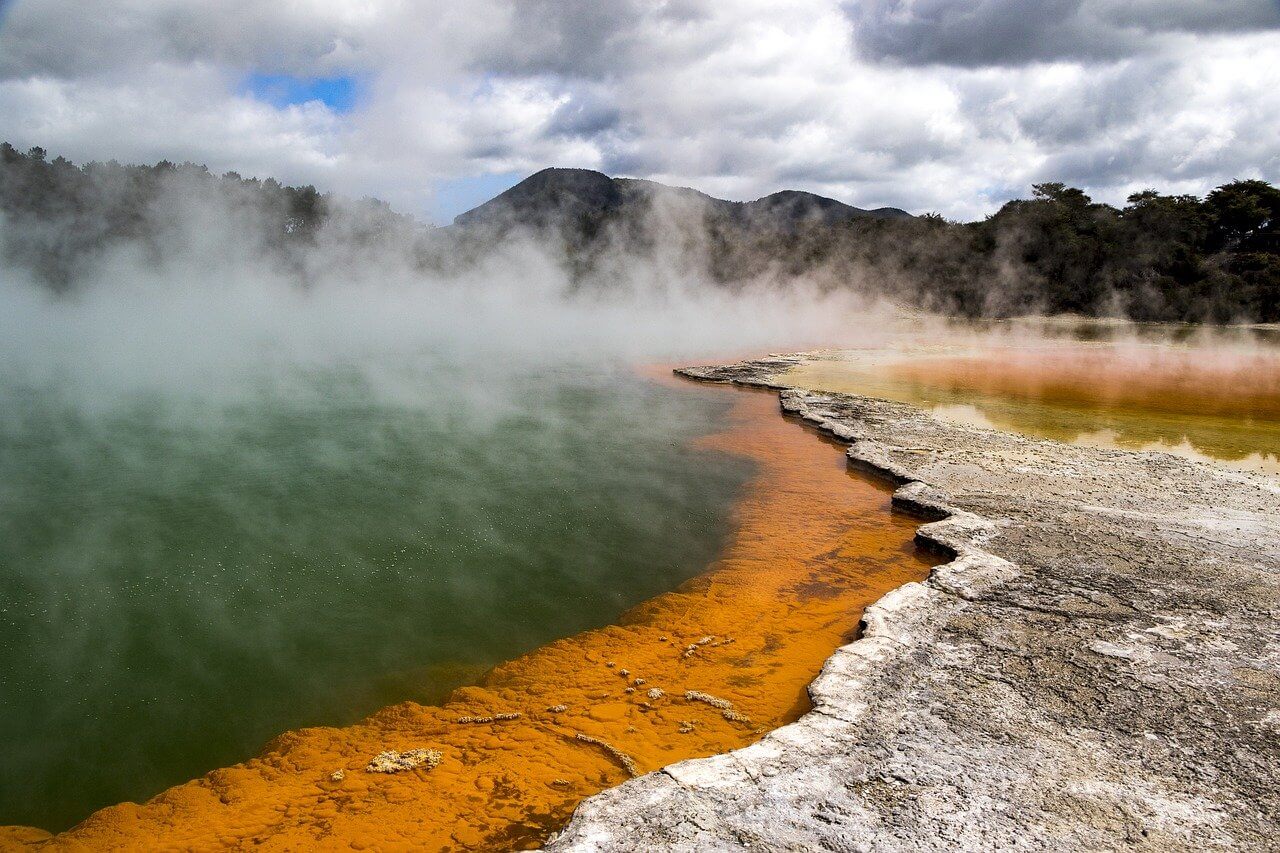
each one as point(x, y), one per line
point(187, 112)
point(868, 102)
point(1012, 32)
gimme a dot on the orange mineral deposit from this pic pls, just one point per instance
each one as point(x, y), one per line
point(1180, 382)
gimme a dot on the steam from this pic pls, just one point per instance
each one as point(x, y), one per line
point(207, 303)
point(220, 456)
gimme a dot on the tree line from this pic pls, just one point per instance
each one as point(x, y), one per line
point(60, 218)
point(1160, 257)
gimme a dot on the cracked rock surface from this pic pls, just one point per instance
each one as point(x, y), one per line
point(1097, 668)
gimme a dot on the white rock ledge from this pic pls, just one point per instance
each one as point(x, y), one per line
point(1096, 668)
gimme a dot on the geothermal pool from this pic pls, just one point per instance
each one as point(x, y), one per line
point(702, 669)
point(187, 575)
point(183, 577)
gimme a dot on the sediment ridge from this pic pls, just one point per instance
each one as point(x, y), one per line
point(1096, 668)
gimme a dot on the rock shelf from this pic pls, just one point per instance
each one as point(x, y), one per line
point(1096, 668)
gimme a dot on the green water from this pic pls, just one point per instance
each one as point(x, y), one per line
point(183, 577)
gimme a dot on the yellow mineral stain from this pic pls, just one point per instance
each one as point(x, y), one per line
point(701, 670)
point(1246, 385)
point(1201, 402)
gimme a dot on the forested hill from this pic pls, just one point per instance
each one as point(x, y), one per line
point(59, 218)
point(1160, 257)
point(583, 195)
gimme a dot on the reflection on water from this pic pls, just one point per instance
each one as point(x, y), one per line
point(1204, 394)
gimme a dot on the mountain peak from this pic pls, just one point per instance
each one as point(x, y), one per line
point(544, 197)
point(559, 196)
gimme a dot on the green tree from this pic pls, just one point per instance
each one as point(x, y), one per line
point(1241, 210)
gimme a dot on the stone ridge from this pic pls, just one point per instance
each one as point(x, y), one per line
point(575, 197)
point(1097, 668)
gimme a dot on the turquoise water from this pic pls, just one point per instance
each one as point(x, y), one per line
point(185, 575)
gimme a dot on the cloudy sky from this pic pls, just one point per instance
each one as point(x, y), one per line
point(434, 106)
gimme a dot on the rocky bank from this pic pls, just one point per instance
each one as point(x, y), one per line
point(1097, 668)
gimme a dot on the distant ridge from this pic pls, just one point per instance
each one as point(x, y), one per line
point(579, 197)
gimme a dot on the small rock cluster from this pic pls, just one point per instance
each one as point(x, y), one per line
point(391, 761)
point(495, 718)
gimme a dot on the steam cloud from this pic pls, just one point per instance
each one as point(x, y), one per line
point(206, 302)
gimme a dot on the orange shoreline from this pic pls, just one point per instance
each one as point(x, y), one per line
point(704, 669)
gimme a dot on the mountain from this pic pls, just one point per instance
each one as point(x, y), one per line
point(796, 206)
point(581, 199)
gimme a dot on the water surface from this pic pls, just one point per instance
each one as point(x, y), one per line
point(184, 575)
point(1207, 394)
point(703, 669)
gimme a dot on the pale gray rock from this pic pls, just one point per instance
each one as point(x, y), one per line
point(1096, 668)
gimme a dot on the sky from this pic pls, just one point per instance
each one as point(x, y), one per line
point(929, 105)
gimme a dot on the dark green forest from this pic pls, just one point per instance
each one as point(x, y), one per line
point(59, 219)
point(1160, 257)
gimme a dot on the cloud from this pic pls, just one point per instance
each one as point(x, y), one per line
point(923, 104)
point(62, 38)
point(185, 112)
point(1015, 32)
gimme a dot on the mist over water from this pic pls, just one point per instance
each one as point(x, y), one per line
point(235, 500)
point(182, 581)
